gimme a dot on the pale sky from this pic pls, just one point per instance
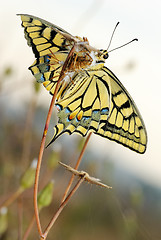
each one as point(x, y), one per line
point(95, 19)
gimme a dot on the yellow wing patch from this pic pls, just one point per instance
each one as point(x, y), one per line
point(102, 105)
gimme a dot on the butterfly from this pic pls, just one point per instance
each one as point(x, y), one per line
point(90, 97)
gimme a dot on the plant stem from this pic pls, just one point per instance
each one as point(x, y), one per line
point(76, 167)
point(64, 196)
point(28, 230)
point(63, 204)
point(20, 214)
point(42, 146)
point(12, 198)
point(62, 74)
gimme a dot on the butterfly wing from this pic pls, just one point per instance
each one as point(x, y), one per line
point(84, 107)
point(124, 124)
point(50, 44)
point(99, 103)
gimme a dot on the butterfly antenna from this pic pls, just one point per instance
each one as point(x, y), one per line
point(135, 39)
point(112, 35)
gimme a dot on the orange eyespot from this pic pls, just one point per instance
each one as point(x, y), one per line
point(71, 116)
point(79, 116)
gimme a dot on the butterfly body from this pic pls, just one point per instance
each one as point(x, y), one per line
point(90, 97)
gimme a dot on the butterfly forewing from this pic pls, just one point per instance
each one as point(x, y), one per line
point(50, 47)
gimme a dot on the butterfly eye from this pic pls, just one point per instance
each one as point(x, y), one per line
point(105, 56)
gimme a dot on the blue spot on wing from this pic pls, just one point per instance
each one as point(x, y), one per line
point(95, 111)
point(59, 107)
point(85, 118)
point(47, 59)
point(42, 79)
point(67, 111)
point(105, 111)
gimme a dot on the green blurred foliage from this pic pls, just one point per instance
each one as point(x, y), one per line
point(3, 220)
point(8, 71)
point(45, 195)
point(54, 157)
point(28, 178)
point(37, 87)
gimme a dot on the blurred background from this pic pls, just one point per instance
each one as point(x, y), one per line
point(132, 209)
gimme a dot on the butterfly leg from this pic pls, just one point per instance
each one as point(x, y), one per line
point(55, 60)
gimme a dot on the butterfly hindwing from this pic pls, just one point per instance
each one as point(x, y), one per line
point(84, 107)
point(102, 105)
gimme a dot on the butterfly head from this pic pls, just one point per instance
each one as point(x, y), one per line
point(102, 55)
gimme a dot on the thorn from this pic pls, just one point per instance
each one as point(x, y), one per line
point(85, 175)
